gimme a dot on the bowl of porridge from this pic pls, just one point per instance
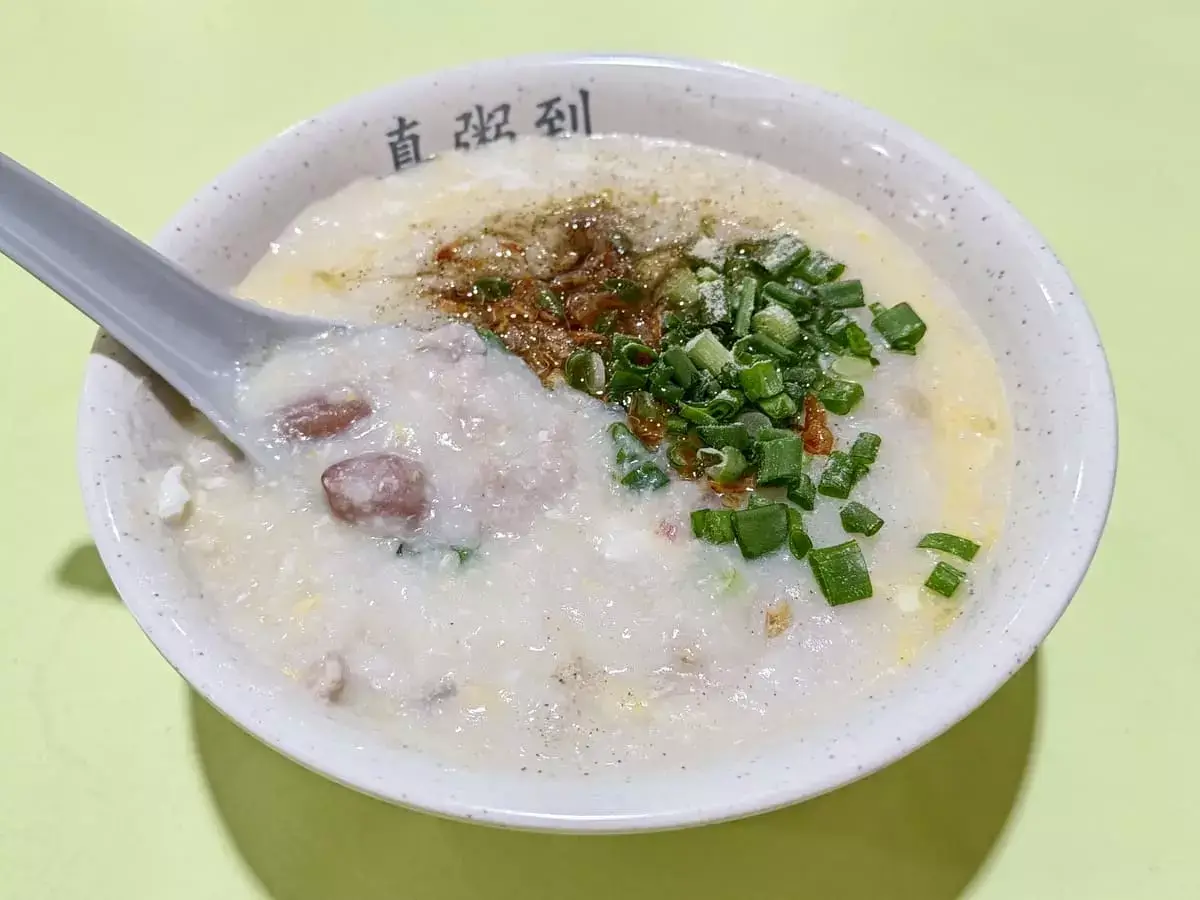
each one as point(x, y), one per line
point(686, 442)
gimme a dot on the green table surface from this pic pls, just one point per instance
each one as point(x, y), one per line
point(1078, 780)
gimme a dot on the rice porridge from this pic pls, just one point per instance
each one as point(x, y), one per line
point(629, 472)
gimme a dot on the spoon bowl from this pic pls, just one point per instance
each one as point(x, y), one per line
point(193, 337)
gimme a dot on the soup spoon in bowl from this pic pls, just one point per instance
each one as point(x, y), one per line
point(194, 337)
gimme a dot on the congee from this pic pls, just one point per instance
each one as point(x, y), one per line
point(657, 452)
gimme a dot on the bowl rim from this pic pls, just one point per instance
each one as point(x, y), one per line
point(1096, 482)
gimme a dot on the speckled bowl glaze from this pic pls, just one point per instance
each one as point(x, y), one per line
point(1002, 270)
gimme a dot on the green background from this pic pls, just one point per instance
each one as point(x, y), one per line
point(1078, 780)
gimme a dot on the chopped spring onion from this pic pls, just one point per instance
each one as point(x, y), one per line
point(606, 322)
point(463, 554)
point(841, 573)
point(761, 380)
point(945, 579)
point(774, 434)
point(797, 302)
point(681, 366)
point(624, 382)
point(819, 268)
point(723, 466)
point(624, 289)
point(756, 500)
point(714, 302)
point(491, 288)
point(683, 455)
point(677, 425)
point(492, 339)
point(663, 386)
point(858, 519)
point(776, 323)
point(759, 345)
point(803, 379)
point(645, 477)
point(857, 342)
point(551, 302)
point(852, 368)
point(780, 254)
point(803, 492)
point(780, 461)
point(840, 475)
point(697, 414)
point(679, 290)
point(734, 434)
point(707, 273)
point(747, 291)
point(781, 406)
point(629, 448)
point(754, 421)
point(714, 526)
point(584, 371)
point(839, 397)
point(708, 353)
point(798, 540)
point(760, 530)
point(841, 294)
point(633, 355)
point(949, 543)
point(900, 326)
point(866, 448)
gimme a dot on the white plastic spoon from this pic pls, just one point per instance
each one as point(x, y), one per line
point(192, 336)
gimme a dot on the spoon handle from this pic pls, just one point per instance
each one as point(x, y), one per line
point(145, 301)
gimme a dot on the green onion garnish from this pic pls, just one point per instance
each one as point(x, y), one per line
point(708, 353)
point(724, 466)
point(645, 477)
point(714, 526)
point(754, 421)
point(780, 461)
point(746, 292)
point(857, 342)
point(949, 543)
point(624, 382)
point(679, 290)
point(780, 254)
point(463, 554)
point(714, 302)
point(625, 290)
point(605, 322)
point(803, 492)
point(663, 386)
point(781, 406)
point(634, 356)
point(841, 294)
point(493, 288)
point(900, 326)
point(866, 447)
point(734, 434)
point(819, 268)
point(774, 434)
point(551, 302)
point(945, 579)
point(761, 380)
point(677, 425)
point(798, 540)
point(584, 371)
point(681, 366)
point(797, 302)
point(858, 519)
point(629, 448)
point(776, 323)
point(841, 573)
point(840, 396)
point(840, 475)
point(761, 530)
point(760, 345)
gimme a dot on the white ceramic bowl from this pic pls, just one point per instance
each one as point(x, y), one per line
point(1010, 281)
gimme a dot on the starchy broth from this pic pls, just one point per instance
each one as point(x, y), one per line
point(508, 603)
